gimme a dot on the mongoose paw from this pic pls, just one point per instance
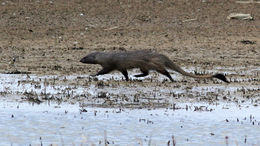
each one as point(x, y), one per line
point(221, 77)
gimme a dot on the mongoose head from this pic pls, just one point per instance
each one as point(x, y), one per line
point(90, 58)
point(221, 77)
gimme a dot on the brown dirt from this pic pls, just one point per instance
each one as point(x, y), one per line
point(47, 36)
point(50, 37)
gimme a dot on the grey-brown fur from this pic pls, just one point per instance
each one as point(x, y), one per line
point(145, 60)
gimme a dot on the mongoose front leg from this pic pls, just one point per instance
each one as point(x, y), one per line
point(124, 72)
point(103, 71)
point(142, 74)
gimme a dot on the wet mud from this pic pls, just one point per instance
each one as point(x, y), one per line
point(113, 91)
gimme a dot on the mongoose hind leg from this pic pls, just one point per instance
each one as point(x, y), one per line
point(124, 72)
point(143, 74)
point(166, 73)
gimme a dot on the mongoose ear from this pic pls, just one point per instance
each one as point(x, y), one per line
point(221, 77)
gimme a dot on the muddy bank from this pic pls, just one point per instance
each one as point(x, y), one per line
point(50, 37)
point(44, 39)
point(112, 91)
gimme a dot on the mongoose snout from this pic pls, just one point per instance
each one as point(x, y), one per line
point(89, 59)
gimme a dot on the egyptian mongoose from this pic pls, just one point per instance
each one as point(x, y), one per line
point(145, 60)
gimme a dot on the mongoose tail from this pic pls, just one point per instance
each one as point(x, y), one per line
point(175, 67)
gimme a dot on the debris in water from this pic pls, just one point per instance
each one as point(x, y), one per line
point(240, 16)
point(248, 42)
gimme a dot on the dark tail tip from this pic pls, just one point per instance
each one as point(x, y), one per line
point(221, 77)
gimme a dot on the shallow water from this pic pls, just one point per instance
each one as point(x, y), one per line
point(194, 113)
point(24, 124)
